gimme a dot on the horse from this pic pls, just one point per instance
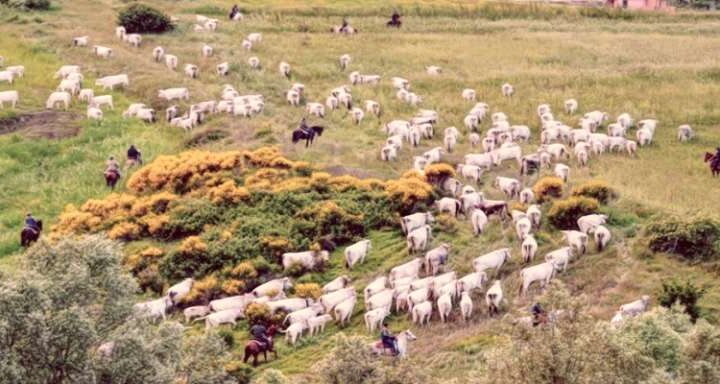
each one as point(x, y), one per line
point(254, 348)
point(111, 178)
point(394, 21)
point(30, 235)
point(307, 135)
point(403, 339)
point(348, 30)
point(714, 163)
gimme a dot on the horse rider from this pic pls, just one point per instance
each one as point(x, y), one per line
point(388, 340)
point(538, 314)
point(134, 157)
point(259, 334)
point(234, 11)
point(345, 24)
point(715, 163)
point(112, 165)
point(31, 223)
point(395, 17)
point(304, 127)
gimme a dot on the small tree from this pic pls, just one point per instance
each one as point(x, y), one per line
point(140, 18)
point(687, 295)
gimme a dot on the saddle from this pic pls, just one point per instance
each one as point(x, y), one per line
point(35, 230)
point(112, 171)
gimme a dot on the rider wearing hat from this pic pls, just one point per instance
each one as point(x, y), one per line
point(30, 222)
point(388, 340)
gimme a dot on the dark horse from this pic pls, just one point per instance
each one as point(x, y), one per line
point(111, 178)
point(254, 348)
point(394, 21)
point(30, 235)
point(307, 135)
point(714, 163)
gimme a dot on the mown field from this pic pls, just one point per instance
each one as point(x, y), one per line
point(651, 66)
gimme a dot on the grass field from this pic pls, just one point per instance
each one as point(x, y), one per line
point(651, 66)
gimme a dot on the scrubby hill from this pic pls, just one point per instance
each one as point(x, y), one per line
point(209, 204)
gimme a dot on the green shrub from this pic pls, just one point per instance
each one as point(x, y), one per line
point(686, 294)
point(227, 337)
point(599, 190)
point(140, 18)
point(547, 188)
point(563, 214)
point(695, 239)
point(30, 5)
point(257, 313)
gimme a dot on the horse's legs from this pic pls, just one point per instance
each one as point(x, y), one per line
point(265, 354)
point(255, 362)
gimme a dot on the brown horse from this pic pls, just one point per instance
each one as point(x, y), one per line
point(111, 178)
point(254, 348)
point(30, 235)
point(714, 163)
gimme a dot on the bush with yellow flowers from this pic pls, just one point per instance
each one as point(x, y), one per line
point(203, 290)
point(564, 214)
point(549, 187)
point(308, 291)
point(439, 172)
point(599, 190)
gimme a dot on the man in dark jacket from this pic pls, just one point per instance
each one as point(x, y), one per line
point(134, 157)
point(259, 334)
point(30, 222)
point(715, 163)
point(388, 340)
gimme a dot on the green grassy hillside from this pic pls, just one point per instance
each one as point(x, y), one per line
point(651, 66)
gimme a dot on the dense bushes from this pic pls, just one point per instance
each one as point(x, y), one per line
point(547, 188)
point(695, 239)
point(563, 214)
point(597, 189)
point(140, 18)
point(686, 294)
point(30, 5)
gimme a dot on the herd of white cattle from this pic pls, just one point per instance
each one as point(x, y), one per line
point(419, 286)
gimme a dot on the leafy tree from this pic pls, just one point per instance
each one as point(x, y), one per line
point(72, 297)
point(687, 295)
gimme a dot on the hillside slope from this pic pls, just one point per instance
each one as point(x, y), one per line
point(653, 67)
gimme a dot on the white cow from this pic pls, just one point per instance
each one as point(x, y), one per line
point(602, 237)
point(542, 273)
point(357, 253)
point(508, 185)
point(153, 309)
point(436, 257)
point(494, 297)
point(58, 97)
point(529, 248)
point(636, 307)
point(409, 269)
point(479, 220)
point(374, 318)
point(178, 291)
point(560, 257)
point(466, 306)
point(338, 283)
point(317, 323)
point(289, 305)
point(307, 259)
point(449, 205)
point(375, 286)
point(417, 239)
point(272, 287)
point(380, 299)
point(421, 313)
point(588, 222)
point(494, 259)
point(471, 281)
point(293, 332)
point(195, 311)
point(344, 310)
point(444, 304)
point(330, 300)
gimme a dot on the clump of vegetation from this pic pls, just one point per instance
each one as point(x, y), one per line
point(257, 313)
point(599, 190)
point(564, 214)
point(685, 294)
point(438, 173)
point(308, 290)
point(30, 5)
point(549, 187)
point(140, 18)
point(695, 239)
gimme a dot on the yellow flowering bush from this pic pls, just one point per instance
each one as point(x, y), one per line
point(125, 231)
point(408, 191)
point(244, 270)
point(139, 260)
point(233, 287)
point(437, 173)
point(549, 187)
point(227, 193)
point(174, 172)
point(308, 290)
point(203, 290)
point(193, 245)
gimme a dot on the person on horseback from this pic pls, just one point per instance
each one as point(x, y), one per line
point(304, 127)
point(31, 223)
point(715, 163)
point(259, 334)
point(388, 340)
point(112, 166)
point(395, 17)
point(343, 27)
point(134, 157)
point(538, 314)
point(234, 11)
